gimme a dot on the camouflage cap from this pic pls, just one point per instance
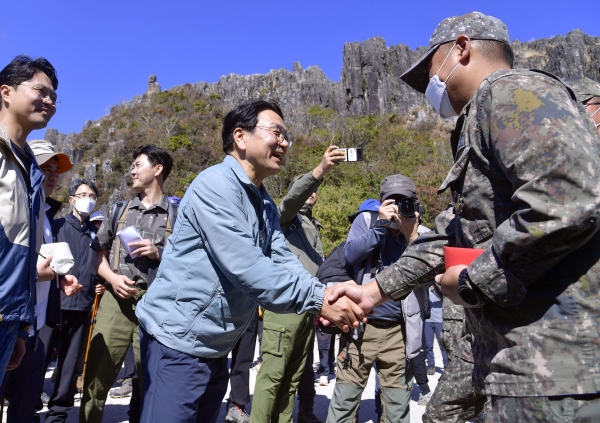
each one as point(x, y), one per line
point(585, 88)
point(476, 25)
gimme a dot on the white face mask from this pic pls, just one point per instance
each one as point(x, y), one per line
point(84, 206)
point(594, 114)
point(436, 92)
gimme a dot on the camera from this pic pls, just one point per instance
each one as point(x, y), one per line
point(352, 154)
point(408, 206)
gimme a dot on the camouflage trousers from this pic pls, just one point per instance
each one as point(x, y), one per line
point(576, 408)
point(455, 398)
point(451, 334)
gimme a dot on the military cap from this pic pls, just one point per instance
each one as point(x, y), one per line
point(585, 88)
point(476, 25)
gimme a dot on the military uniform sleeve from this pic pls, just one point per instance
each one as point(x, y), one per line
point(421, 261)
point(539, 139)
point(296, 197)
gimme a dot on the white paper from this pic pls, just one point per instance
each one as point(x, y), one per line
point(62, 259)
point(127, 235)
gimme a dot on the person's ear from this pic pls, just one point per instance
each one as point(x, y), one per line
point(157, 169)
point(463, 47)
point(238, 139)
point(5, 93)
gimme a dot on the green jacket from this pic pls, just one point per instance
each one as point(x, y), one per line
point(304, 241)
point(526, 188)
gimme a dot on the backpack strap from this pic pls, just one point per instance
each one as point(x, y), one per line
point(119, 212)
point(172, 210)
point(296, 223)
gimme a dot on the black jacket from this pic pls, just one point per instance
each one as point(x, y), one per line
point(79, 237)
point(53, 309)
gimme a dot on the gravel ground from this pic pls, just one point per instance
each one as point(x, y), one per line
point(116, 409)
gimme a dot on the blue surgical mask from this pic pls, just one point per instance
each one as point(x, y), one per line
point(436, 92)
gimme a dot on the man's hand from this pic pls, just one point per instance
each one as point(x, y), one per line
point(146, 249)
point(388, 210)
point(408, 226)
point(123, 286)
point(448, 283)
point(45, 272)
point(331, 158)
point(70, 285)
point(342, 312)
point(17, 354)
point(100, 289)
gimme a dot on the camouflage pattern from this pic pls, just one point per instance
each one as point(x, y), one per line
point(454, 399)
point(585, 88)
point(452, 327)
point(475, 24)
point(577, 408)
point(526, 188)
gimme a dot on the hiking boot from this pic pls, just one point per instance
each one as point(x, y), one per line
point(124, 391)
point(431, 370)
point(306, 414)
point(323, 380)
point(237, 414)
point(424, 399)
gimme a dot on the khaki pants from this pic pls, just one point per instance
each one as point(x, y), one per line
point(116, 327)
point(285, 342)
point(386, 347)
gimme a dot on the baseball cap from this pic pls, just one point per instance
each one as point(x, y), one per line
point(44, 151)
point(585, 88)
point(476, 25)
point(96, 217)
point(397, 184)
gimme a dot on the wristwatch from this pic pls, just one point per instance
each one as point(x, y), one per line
point(468, 291)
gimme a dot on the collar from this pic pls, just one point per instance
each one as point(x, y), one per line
point(163, 203)
point(84, 226)
point(52, 206)
point(241, 174)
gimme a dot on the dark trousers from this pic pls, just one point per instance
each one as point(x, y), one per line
point(72, 335)
point(306, 386)
point(421, 372)
point(431, 329)
point(22, 385)
point(129, 364)
point(50, 336)
point(242, 357)
point(326, 343)
point(179, 387)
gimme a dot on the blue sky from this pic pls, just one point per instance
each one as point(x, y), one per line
point(105, 50)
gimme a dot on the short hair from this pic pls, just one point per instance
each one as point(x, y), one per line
point(156, 155)
point(496, 51)
point(22, 68)
point(77, 182)
point(245, 116)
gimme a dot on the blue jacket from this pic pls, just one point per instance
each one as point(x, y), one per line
point(21, 233)
point(219, 262)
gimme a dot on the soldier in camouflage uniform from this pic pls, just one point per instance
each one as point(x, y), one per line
point(588, 92)
point(526, 188)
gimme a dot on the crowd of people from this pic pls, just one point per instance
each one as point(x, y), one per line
point(212, 272)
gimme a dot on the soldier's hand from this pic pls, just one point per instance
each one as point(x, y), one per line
point(331, 158)
point(388, 210)
point(45, 272)
point(123, 286)
point(146, 249)
point(448, 283)
point(70, 285)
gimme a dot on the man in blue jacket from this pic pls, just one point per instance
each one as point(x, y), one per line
point(227, 253)
point(28, 102)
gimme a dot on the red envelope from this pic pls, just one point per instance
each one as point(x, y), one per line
point(454, 255)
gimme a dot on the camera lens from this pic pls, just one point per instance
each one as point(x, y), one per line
point(406, 207)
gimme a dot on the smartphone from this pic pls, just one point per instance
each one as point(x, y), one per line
point(352, 154)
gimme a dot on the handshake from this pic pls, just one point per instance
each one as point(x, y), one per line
point(347, 304)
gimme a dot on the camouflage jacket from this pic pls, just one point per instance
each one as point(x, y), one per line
point(526, 188)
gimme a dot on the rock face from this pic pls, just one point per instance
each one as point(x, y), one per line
point(153, 86)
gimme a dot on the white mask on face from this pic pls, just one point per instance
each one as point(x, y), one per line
point(436, 92)
point(84, 206)
point(594, 114)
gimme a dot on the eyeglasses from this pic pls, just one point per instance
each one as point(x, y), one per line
point(45, 94)
point(278, 133)
point(83, 195)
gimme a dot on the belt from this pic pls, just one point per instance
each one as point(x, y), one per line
point(383, 324)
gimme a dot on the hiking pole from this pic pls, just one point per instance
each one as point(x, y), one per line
point(93, 322)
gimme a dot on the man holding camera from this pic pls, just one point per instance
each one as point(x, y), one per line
point(393, 333)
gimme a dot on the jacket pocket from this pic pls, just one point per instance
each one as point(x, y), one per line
point(273, 340)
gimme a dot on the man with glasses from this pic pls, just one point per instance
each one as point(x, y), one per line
point(128, 276)
point(76, 230)
point(227, 254)
point(21, 198)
